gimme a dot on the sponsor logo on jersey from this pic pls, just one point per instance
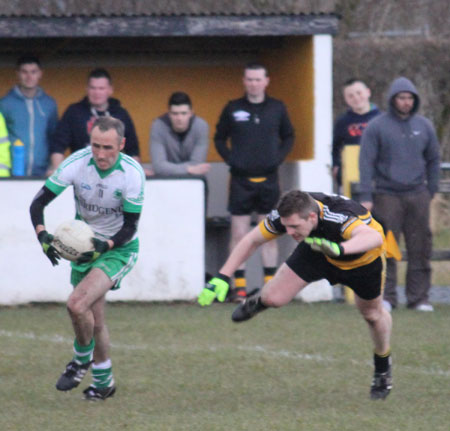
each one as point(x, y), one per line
point(118, 211)
point(241, 116)
point(356, 129)
point(85, 186)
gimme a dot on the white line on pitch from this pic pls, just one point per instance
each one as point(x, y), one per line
point(286, 354)
point(60, 339)
point(252, 349)
point(320, 358)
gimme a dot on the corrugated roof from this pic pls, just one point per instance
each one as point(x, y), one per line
point(134, 8)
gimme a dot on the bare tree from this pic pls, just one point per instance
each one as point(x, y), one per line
point(379, 41)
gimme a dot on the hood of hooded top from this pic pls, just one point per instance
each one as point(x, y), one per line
point(15, 92)
point(400, 85)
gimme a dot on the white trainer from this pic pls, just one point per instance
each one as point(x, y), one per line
point(424, 307)
point(387, 305)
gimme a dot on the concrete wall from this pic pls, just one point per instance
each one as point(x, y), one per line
point(174, 256)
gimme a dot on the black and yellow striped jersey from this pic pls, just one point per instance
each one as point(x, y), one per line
point(338, 216)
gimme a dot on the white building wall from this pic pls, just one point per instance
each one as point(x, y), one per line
point(315, 175)
point(171, 263)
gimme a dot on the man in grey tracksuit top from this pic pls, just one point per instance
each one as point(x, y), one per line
point(399, 175)
point(179, 140)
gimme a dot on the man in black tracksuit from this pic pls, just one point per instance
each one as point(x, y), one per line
point(261, 136)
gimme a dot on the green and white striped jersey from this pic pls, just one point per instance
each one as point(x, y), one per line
point(101, 197)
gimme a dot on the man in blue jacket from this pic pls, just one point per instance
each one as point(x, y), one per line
point(400, 156)
point(31, 115)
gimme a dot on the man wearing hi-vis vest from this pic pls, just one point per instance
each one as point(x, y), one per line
point(5, 149)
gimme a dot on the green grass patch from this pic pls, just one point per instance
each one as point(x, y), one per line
point(181, 367)
point(441, 239)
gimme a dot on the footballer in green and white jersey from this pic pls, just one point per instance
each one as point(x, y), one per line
point(101, 196)
point(109, 196)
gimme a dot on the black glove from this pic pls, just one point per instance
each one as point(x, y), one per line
point(46, 242)
point(99, 248)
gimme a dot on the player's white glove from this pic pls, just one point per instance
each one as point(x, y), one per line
point(325, 246)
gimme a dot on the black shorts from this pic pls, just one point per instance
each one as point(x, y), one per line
point(366, 281)
point(246, 196)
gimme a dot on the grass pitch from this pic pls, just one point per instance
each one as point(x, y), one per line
point(181, 367)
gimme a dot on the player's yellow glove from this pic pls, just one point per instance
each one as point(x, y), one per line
point(46, 243)
point(217, 287)
point(99, 248)
point(329, 248)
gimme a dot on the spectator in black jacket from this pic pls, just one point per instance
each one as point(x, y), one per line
point(348, 130)
point(261, 135)
point(74, 127)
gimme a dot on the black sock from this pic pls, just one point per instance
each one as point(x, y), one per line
point(382, 362)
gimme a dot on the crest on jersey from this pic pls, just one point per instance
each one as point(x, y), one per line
point(117, 194)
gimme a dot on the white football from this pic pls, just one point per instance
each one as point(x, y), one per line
point(72, 238)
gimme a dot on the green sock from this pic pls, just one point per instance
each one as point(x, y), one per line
point(102, 375)
point(83, 354)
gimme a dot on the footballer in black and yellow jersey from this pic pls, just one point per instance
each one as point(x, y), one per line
point(338, 240)
point(337, 217)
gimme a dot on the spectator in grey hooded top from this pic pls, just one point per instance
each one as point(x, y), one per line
point(179, 140)
point(399, 175)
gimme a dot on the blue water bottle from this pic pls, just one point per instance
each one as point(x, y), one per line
point(18, 162)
